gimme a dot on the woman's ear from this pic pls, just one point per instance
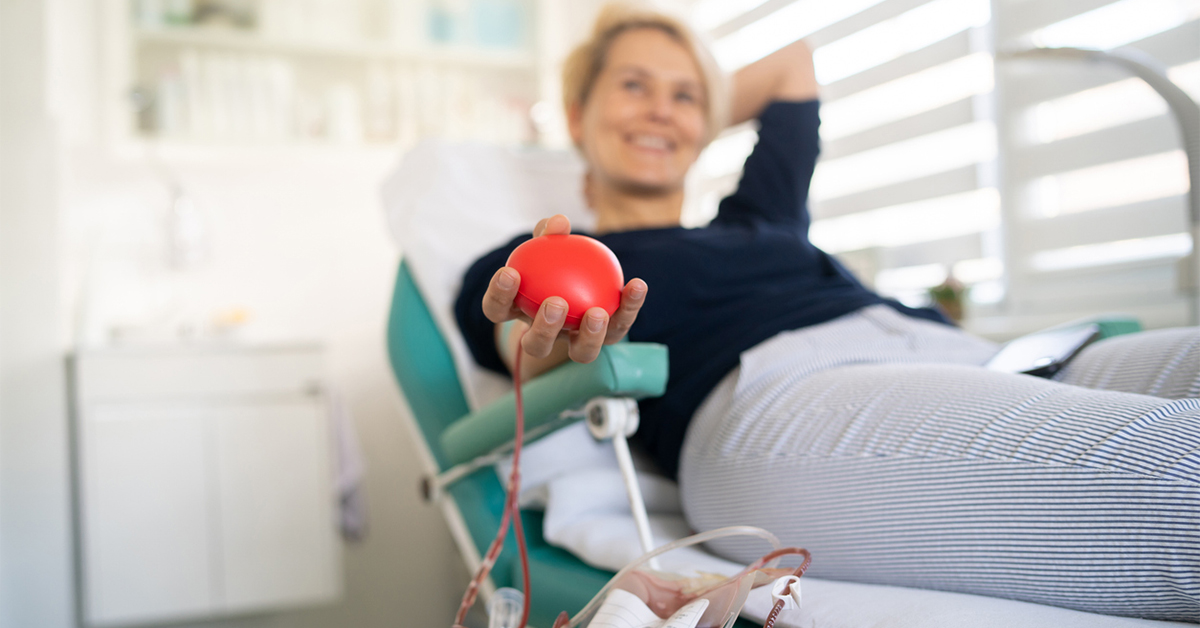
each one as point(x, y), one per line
point(575, 123)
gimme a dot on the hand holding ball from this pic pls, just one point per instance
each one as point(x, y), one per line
point(577, 268)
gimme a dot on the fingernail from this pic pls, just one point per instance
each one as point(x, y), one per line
point(595, 323)
point(554, 312)
point(638, 291)
point(505, 281)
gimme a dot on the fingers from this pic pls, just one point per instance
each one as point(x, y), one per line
point(585, 346)
point(498, 300)
point(557, 224)
point(632, 298)
point(539, 340)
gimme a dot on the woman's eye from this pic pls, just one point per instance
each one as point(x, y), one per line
point(632, 85)
point(685, 97)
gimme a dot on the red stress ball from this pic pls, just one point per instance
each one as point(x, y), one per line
point(577, 268)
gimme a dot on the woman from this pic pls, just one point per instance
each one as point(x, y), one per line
point(802, 402)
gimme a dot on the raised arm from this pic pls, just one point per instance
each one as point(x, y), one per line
point(786, 74)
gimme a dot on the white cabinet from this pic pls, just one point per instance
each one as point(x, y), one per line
point(205, 482)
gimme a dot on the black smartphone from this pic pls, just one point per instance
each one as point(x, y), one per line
point(1043, 353)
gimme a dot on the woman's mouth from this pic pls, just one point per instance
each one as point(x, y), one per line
point(656, 143)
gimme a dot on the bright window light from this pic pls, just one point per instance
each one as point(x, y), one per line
point(1187, 76)
point(727, 154)
point(795, 21)
point(893, 281)
point(907, 96)
point(1094, 109)
point(910, 223)
point(986, 292)
point(971, 271)
point(1118, 23)
point(1112, 184)
point(1106, 106)
point(709, 14)
point(1158, 247)
point(889, 39)
point(928, 154)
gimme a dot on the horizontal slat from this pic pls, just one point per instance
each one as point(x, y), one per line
point(954, 181)
point(1116, 278)
point(945, 251)
point(1031, 16)
point(1172, 47)
point(1031, 82)
point(1101, 288)
point(747, 18)
point(945, 117)
point(948, 49)
point(1144, 137)
point(1005, 327)
point(1028, 82)
point(1140, 220)
point(859, 21)
point(1055, 299)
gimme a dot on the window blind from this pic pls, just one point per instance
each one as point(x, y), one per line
point(936, 161)
point(1095, 179)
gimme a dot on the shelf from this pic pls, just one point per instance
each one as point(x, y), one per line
point(247, 41)
point(254, 154)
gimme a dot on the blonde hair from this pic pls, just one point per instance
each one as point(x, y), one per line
point(586, 61)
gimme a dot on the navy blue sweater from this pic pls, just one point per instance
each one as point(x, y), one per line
point(719, 290)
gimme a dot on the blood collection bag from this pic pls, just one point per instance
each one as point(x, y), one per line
point(696, 600)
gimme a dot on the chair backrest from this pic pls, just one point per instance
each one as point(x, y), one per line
point(423, 364)
point(449, 203)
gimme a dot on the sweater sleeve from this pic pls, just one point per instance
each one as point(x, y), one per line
point(776, 178)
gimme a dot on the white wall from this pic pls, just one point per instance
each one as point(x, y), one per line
point(297, 240)
point(35, 548)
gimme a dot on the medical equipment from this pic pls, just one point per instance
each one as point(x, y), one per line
point(511, 512)
point(668, 595)
point(505, 608)
point(589, 274)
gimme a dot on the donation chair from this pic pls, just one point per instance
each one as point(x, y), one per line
point(462, 431)
point(454, 435)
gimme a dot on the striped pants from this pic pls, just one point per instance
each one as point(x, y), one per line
point(876, 442)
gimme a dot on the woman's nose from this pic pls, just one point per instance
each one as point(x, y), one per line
point(662, 106)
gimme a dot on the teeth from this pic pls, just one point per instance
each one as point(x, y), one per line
point(651, 141)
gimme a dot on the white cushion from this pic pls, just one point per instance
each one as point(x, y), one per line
point(448, 204)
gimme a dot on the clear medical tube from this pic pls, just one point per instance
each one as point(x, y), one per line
point(504, 609)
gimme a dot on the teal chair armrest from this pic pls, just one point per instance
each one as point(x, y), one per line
point(632, 369)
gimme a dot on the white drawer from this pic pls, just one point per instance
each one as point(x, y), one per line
point(200, 372)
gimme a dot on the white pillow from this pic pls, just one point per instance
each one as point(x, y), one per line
point(450, 203)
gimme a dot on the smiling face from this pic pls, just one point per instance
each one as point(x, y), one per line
point(643, 123)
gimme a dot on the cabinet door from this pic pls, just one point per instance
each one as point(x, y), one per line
point(147, 524)
point(278, 534)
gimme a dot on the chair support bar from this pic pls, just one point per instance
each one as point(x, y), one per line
point(433, 487)
point(617, 419)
